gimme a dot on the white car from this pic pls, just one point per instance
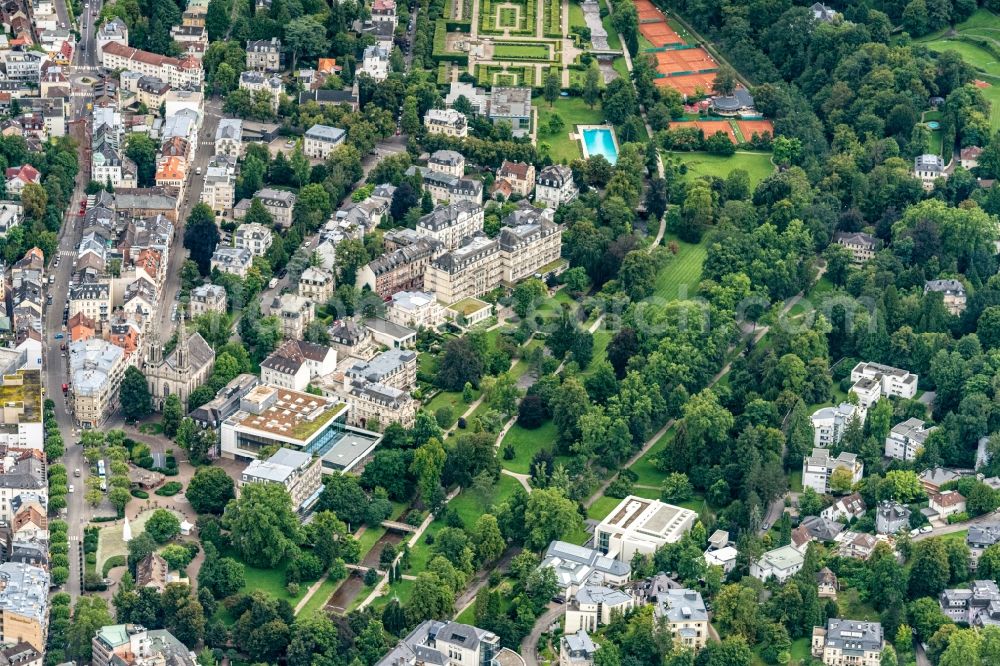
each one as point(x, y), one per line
point(71, 487)
point(925, 529)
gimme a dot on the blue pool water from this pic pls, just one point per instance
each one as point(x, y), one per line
point(600, 142)
point(933, 124)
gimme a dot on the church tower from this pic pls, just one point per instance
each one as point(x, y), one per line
point(182, 346)
point(155, 354)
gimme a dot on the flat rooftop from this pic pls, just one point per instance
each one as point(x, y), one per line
point(286, 413)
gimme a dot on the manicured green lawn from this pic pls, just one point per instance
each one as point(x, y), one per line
point(955, 536)
point(271, 581)
point(573, 112)
point(601, 340)
point(576, 18)
point(621, 67)
point(470, 505)
point(450, 399)
point(795, 480)
point(600, 509)
point(644, 468)
point(982, 24)
point(369, 538)
point(526, 444)
point(680, 276)
point(318, 600)
point(758, 165)
point(401, 590)
point(504, 51)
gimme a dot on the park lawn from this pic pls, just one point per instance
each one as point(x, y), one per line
point(602, 339)
point(450, 399)
point(601, 507)
point(319, 599)
point(505, 51)
point(271, 581)
point(420, 553)
point(401, 590)
point(526, 444)
point(573, 111)
point(699, 164)
point(644, 468)
point(800, 651)
point(645, 44)
point(468, 616)
point(369, 538)
point(955, 536)
point(576, 17)
point(614, 39)
point(470, 505)
point(680, 276)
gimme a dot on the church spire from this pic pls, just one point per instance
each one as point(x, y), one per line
point(155, 354)
point(182, 346)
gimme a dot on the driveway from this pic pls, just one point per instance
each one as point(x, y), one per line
point(529, 646)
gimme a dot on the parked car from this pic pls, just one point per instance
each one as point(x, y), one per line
point(59, 336)
point(925, 529)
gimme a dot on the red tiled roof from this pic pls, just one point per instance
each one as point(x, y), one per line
point(26, 172)
point(154, 59)
point(518, 170)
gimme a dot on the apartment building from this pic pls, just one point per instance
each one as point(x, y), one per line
point(906, 439)
point(279, 203)
point(219, 189)
point(466, 272)
point(375, 62)
point(683, 610)
point(449, 642)
point(577, 649)
point(264, 55)
point(820, 466)
point(134, 645)
point(451, 224)
point(848, 642)
point(297, 472)
point(178, 72)
point(891, 517)
point(415, 309)
point(511, 105)
point(93, 299)
point(576, 566)
point(976, 606)
point(233, 260)
point(297, 362)
point(399, 270)
point(23, 65)
point(862, 246)
point(316, 284)
point(780, 564)
point(594, 606)
point(321, 140)
point(448, 122)
point(256, 82)
point(641, 525)
point(554, 186)
point(952, 293)
point(24, 604)
point(25, 478)
point(894, 382)
point(253, 237)
point(229, 137)
point(445, 188)
point(450, 162)
point(829, 423)
point(96, 371)
point(519, 176)
point(530, 244)
point(394, 367)
point(295, 313)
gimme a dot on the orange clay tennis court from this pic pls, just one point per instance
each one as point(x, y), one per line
point(659, 34)
point(684, 60)
point(750, 127)
point(688, 84)
point(709, 127)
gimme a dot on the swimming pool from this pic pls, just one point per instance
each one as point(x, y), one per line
point(600, 141)
point(933, 124)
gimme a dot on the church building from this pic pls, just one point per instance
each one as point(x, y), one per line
point(185, 369)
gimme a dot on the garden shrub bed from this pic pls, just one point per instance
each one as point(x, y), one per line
point(169, 489)
point(111, 563)
point(138, 494)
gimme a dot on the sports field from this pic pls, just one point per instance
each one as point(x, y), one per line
point(709, 127)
